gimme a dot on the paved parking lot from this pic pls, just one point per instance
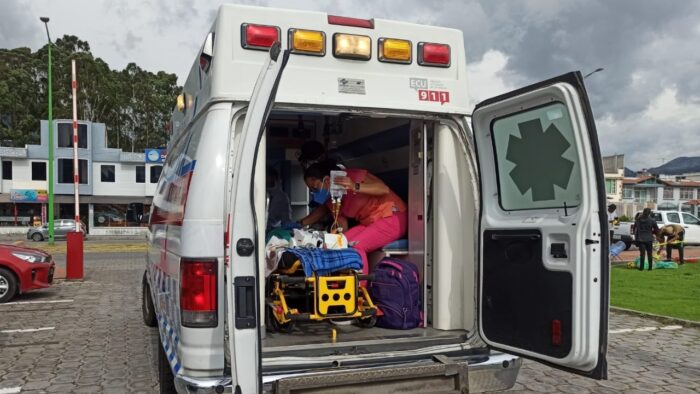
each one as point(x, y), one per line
point(88, 338)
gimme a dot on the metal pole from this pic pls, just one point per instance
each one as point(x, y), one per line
point(76, 173)
point(51, 206)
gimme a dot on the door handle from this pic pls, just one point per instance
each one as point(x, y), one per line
point(245, 305)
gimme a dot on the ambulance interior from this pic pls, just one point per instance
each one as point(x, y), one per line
point(424, 162)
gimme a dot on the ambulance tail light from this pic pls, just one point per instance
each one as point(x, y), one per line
point(259, 36)
point(198, 293)
point(432, 54)
point(307, 42)
point(351, 46)
point(392, 50)
point(347, 21)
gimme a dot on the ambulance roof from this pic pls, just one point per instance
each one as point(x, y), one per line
point(328, 80)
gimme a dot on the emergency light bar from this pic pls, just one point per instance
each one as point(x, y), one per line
point(351, 46)
point(259, 37)
point(307, 42)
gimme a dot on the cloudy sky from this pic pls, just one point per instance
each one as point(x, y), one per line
point(646, 101)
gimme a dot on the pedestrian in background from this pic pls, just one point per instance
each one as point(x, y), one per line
point(672, 235)
point(644, 229)
point(612, 218)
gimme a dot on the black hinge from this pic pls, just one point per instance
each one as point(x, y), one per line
point(244, 290)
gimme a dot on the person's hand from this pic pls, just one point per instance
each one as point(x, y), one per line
point(345, 182)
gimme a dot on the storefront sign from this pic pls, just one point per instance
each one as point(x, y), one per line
point(28, 195)
point(155, 155)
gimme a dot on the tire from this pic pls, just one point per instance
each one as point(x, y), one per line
point(165, 374)
point(37, 237)
point(8, 285)
point(148, 312)
point(367, 322)
point(274, 326)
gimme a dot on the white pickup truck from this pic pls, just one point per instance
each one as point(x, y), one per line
point(623, 230)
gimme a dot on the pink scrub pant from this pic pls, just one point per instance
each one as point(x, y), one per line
point(377, 235)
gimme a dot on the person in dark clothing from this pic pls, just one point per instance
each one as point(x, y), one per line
point(672, 235)
point(644, 229)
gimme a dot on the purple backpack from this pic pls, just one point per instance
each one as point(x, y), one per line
point(396, 291)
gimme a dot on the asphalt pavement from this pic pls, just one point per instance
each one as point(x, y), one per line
point(88, 337)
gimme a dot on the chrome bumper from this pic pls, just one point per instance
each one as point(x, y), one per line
point(215, 385)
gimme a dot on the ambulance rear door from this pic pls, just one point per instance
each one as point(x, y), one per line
point(543, 247)
point(243, 286)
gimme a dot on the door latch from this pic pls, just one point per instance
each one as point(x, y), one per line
point(592, 241)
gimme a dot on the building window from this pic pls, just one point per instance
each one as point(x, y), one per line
point(155, 173)
point(65, 135)
point(140, 174)
point(110, 215)
point(7, 169)
point(686, 193)
point(627, 193)
point(107, 173)
point(38, 171)
point(668, 193)
point(611, 186)
point(65, 171)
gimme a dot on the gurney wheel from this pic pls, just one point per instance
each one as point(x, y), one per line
point(367, 322)
point(275, 325)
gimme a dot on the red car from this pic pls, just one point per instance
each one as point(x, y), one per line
point(23, 270)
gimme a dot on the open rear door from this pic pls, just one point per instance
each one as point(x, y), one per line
point(243, 284)
point(543, 258)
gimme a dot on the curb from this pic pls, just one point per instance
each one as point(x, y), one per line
point(661, 318)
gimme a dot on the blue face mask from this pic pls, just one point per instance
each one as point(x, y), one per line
point(320, 196)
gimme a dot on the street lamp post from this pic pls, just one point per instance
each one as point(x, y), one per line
point(593, 72)
point(51, 214)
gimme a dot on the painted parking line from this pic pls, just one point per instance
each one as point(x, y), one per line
point(27, 330)
point(644, 329)
point(36, 302)
point(10, 390)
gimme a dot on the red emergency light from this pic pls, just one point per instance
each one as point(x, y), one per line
point(432, 54)
point(347, 21)
point(259, 36)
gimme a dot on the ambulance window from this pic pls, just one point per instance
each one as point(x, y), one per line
point(536, 159)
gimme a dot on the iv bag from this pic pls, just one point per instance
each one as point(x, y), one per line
point(337, 191)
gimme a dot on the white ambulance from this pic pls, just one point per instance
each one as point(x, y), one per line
point(506, 205)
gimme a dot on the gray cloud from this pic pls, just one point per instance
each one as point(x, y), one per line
point(18, 27)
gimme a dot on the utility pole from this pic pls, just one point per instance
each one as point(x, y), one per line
point(51, 207)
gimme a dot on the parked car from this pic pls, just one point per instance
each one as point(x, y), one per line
point(61, 228)
point(23, 270)
point(624, 231)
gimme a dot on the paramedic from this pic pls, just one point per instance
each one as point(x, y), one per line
point(279, 209)
point(381, 214)
point(644, 229)
point(673, 235)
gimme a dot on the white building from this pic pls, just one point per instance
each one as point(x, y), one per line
point(116, 187)
point(614, 169)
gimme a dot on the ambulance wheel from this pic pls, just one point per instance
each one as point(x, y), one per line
point(166, 379)
point(276, 326)
point(147, 310)
point(367, 322)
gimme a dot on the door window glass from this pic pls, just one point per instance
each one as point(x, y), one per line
point(690, 219)
point(536, 159)
point(673, 217)
point(657, 217)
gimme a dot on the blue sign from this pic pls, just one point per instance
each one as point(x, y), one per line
point(155, 155)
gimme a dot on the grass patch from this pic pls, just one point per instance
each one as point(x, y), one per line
point(668, 292)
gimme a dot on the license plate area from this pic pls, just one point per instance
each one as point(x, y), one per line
point(452, 378)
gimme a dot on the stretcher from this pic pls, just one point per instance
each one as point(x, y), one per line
point(292, 297)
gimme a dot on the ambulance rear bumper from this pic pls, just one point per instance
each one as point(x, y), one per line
point(213, 385)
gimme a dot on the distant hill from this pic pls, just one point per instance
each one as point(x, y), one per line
point(630, 173)
point(677, 166)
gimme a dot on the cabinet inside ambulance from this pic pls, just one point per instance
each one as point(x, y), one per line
point(425, 163)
